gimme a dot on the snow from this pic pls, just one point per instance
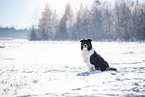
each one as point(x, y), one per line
point(49, 68)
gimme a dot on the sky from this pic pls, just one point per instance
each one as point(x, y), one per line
point(20, 13)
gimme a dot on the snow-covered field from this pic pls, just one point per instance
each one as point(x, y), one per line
point(49, 68)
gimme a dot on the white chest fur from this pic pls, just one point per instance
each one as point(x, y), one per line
point(86, 57)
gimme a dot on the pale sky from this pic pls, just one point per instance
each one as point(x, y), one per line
point(19, 13)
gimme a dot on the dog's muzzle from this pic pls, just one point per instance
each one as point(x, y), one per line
point(85, 46)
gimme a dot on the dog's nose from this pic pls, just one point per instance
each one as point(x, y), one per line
point(85, 45)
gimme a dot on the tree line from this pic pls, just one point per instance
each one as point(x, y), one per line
point(11, 32)
point(124, 21)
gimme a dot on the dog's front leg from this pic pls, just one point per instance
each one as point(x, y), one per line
point(89, 67)
point(92, 68)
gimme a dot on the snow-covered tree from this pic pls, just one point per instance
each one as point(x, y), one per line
point(47, 24)
point(65, 24)
point(96, 19)
point(124, 21)
point(54, 25)
point(33, 34)
point(79, 23)
point(139, 21)
point(87, 23)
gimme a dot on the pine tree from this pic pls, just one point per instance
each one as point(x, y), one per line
point(54, 25)
point(79, 23)
point(33, 34)
point(65, 24)
point(87, 23)
point(45, 24)
point(97, 26)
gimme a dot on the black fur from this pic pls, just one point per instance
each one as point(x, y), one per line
point(98, 62)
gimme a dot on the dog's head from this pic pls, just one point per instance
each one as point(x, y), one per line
point(86, 44)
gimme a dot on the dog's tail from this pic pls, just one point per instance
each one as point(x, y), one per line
point(112, 69)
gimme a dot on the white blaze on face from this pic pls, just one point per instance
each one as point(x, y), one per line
point(85, 46)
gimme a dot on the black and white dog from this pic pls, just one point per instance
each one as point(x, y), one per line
point(94, 61)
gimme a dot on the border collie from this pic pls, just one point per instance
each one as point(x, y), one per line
point(94, 61)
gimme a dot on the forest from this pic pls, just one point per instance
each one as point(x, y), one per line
point(123, 21)
point(11, 32)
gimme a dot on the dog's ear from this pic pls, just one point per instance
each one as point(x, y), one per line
point(90, 39)
point(81, 40)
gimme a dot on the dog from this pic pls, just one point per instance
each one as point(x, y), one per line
point(92, 58)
